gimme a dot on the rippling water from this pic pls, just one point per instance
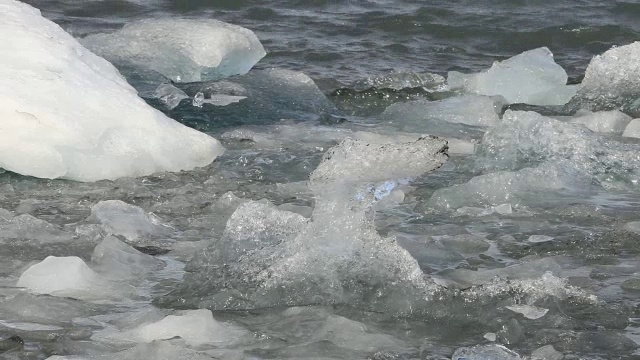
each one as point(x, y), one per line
point(347, 40)
point(517, 224)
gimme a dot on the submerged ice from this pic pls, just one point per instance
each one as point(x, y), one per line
point(68, 113)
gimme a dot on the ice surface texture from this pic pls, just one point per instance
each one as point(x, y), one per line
point(531, 77)
point(612, 81)
point(183, 50)
point(68, 113)
point(269, 257)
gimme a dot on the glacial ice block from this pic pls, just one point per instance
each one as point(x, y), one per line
point(195, 327)
point(130, 221)
point(65, 277)
point(65, 112)
point(183, 50)
point(532, 77)
point(612, 81)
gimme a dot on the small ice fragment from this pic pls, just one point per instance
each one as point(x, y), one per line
point(474, 211)
point(170, 95)
point(631, 285)
point(198, 100)
point(485, 352)
point(547, 352)
point(530, 312)
point(195, 327)
point(612, 122)
point(65, 277)
point(632, 129)
point(490, 336)
point(130, 221)
point(503, 209)
point(223, 100)
point(539, 238)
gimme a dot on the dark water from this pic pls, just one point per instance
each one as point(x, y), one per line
point(342, 41)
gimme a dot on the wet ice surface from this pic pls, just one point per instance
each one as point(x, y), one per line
point(327, 233)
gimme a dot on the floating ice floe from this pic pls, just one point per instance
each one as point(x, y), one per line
point(547, 352)
point(427, 116)
point(609, 122)
point(632, 129)
point(485, 352)
point(67, 277)
point(529, 311)
point(116, 260)
point(119, 218)
point(612, 81)
point(315, 263)
point(29, 228)
point(532, 77)
point(170, 95)
point(195, 327)
point(183, 50)
point(68, 113)
point(524, 139)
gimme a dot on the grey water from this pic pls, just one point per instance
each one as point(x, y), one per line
point(572, 250)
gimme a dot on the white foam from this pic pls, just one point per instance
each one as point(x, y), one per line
point(65, 112)
point(183, 50)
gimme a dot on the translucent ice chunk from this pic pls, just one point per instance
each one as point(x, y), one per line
point(529, 311)
point(66, 277)
point(170, 95)
point(117, 260)
point(493, 189)
point(612, 81)
point(66, 112)
point(130, 221)
point(485, 352)
point(423, 115)
point(183, 50)
point(612, 122)
point(528, 138)
point(632, 129)
point(336, 258)
point(29, 228)
point(547, 352)
point(195, 327)
point(532, 77)
point(359, 161)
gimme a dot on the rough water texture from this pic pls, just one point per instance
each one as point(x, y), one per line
point(332, 227)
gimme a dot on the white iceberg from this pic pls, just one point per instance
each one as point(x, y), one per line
point(65, 112)
point(532, 77)
point(183, 50)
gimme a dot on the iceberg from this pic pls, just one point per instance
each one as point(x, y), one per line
point(67, 113)
point(183, 50)
point(532, 77)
